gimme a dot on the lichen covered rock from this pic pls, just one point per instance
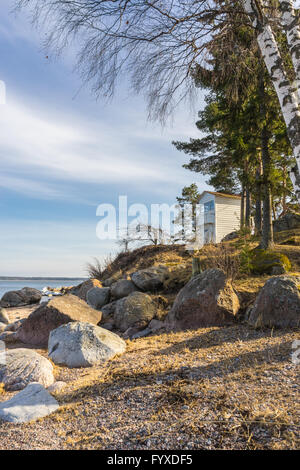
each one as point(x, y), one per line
point(49, 316)
point(269, 262)
point(277, 305)
point(136, 310)
point(207, 300)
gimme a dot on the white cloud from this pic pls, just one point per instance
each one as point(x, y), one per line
point(71, 148)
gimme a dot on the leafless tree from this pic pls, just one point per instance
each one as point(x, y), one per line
point(157, 43)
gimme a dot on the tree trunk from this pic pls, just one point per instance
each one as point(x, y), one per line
point(196, 266)
point(243, 207)
point(258, 211)
point(290, 22)
point(287, 95)
point(267, 240)
point(248, 208)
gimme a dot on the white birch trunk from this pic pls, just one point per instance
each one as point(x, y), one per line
point(290, 23)
point(287, 95)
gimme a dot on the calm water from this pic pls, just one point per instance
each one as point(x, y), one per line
point(8, 285)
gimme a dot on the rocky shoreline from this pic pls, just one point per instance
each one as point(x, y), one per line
point(85, 329)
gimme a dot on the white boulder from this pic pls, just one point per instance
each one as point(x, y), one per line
point(81, 344)
point(24, 366)
point(32, 403)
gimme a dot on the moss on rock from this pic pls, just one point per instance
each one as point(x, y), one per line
point(269, 262)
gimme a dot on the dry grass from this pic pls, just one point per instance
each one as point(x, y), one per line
point(145, 257)
point(213, 388)
point(223, 256)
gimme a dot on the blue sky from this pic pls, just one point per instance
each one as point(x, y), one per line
point(62, 153)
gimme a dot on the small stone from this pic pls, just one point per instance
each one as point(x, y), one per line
point(56, 387)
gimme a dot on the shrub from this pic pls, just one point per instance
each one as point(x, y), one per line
point(221, 256)
point(97, 269)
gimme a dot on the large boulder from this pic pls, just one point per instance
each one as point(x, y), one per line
point(49, 316)
point(151, 279)
point(30, 404)
point(277, 305)
point(269, 262)
point(287, 222)
point(97, 297)
point(24, 366)
point(82, 289)
point(122, 288)
point(83, 345)
point(207, 300)
point(136, 310)
point(19, 298)
point(3, 317)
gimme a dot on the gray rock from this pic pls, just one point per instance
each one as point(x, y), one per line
point(82, 289)
point(57, 387)
point(122, 288)
point(30, 404)
point(3, 316)
point(151, 279)
point(277, 305)
point(83, 345)
point(2, 327)
point(9, 337)
point(108, 311)
point(230, 236)
point(206, 300)
point(49, 316)
point(278, 270)
point(14, 326)
point(109, 325)
point(142, 334)
point(130, 332)
point(156, 325)
point(25, 296)
point(136, 310)
point(287, 222)
point(24, 366)
point(98, 297)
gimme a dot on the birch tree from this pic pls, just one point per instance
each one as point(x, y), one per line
point(288, 92)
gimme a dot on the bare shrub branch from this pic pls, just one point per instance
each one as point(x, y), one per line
point(156, 43)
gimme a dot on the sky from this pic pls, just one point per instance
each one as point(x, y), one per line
point(62, 153)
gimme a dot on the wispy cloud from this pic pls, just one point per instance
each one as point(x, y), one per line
point(71, 148)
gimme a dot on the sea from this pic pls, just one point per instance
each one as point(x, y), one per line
point(37, 283)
